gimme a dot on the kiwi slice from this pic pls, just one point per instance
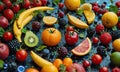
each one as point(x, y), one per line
point(30, 39)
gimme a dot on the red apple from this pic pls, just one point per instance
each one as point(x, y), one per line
point(3, 22)
point(4, 51)
point(75, 67)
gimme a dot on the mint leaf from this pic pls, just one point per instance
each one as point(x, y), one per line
point(80, 11)
point(41, 48)
point(56, 2)
point(113, 9)
point(1, 31)
point(82, 1)
point(1, 64)
point(36, 12)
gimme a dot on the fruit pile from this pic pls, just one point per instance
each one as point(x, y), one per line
point(59, 36)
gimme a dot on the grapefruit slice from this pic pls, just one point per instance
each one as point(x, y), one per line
point(83, 48)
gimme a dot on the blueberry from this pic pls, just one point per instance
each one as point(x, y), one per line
point(62, 22)
point(5, 66)
point(21, 68)
point(45, 51)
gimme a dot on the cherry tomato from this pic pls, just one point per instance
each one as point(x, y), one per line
point(21, 55)
point(95, 40)
point(44, 2)
point(8, 13)
point(7, 36)
point(61, 5)
point(69, 28)
point(71, 37)
point(86, 63)
point(116, 69)
point(96, 59)
point(7, 3)
point(1, 6)
point(26, 4)
point(103, 69)
point(37, 3)
point(16, 8)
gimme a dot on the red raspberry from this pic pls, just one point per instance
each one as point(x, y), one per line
point(99, 28)
point(105, 38)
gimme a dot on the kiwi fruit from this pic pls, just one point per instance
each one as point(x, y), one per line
point(30, 39)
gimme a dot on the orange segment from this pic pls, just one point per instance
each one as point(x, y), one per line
point(83, 48)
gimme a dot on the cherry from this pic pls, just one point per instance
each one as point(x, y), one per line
point(61, 5)
point(118, 13)
point(61, 14)
point(95, 4)
point(86, 63)
point(95, 40)
point(96, 8)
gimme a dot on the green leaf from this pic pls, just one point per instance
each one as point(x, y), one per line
point(56, 2)
point(24, 30)
point(80, 11)
point(111, 1)
point(82, 35)
point(36, 12)
point(1, 31)
point(62, 68)
point(114, 28)
point(82, 1)
point(113, 9)
point(1, 64)
point(41, 48)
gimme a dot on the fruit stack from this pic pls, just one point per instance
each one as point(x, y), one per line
point(59, 36)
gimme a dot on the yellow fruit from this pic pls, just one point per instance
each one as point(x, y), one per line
point(116, 44)
point(109, 19)
point(49, 20)
point(50, 68)
point(57, 62)
point(72, 4)
point(86, 6)
point(90, 16)
point(77, 22)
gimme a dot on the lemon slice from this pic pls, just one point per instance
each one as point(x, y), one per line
point(90, 16)
point(49, 20)
point(86, 6)
point(77, 22)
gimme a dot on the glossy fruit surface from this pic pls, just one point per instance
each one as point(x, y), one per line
point(86, 63)
point(3, 22)
point(61, 5)
point(16, 8)
point(44, 2)
point(103, 69)
point(26, 4)
point(57, 62)
point(67, 61)
point(99, 28)
point(9, 14)
point(31, 70)
point(69, 28)
point(95, 40)
point(116, 44)
point(37, 3)
point(51, 36)
point(86, 7)
point(7, 36)
point(21, 55)
point(96, 59)
point(1, 6)
point(116, 69)
point(36, 25)
point(48, 68)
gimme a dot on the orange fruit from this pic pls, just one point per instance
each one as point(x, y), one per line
point(83, 48)
point(51, 36)
point(67, 61)
point(116, 44)
point(72, 4)
point(31, 70)
point(49, 68)
point(86, 6)
point(109, 19)
point(57, 62)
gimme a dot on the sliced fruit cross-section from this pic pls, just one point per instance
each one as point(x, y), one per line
point(83, 48)
point(86, 6)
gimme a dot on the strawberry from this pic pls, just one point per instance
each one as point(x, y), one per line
point(105, 38)
point(99, 28)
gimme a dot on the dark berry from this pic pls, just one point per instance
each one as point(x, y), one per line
point(90, 32)
point(118, 13)
point(118, 4)
point(39, 16)
point(5, 66)
point(99, 28)
point(62, 51)
point(45, 51)
point(104, 2)
point(61, 5)
point(95, 4)
point(61, 14)
point(36, 25)
point(118, 25)
point(101, 50)
point(21, 68)
point(103, 5)
point(12, 66)
point(62, 22)
point(96, 9)
point(115, 34)
point(95, 40)
point(86, 63)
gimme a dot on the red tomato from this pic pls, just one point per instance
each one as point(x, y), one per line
point(8, 13)
point(16, 8)
point(103, 69)
point(71, 37)
point(7, 36)
point(26, 4)
point(37, 3)
point(96, 59)
point(69, 28)
point(21, 55)
point(86, 63)
point(95, 40)
point(1, 6)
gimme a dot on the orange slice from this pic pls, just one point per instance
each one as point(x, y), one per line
point(83, 48)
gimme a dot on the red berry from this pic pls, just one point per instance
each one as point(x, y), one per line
point(96, 9)
point(95, 40)
point(116, 69)
point(96, 59)
point(94, 4)
point(44, 2)
point(99, 28)
point(103, 5)
point(26, 4)
point(61, 14)
point(7, 36)
point(86, 63)
point(103, 69)
point(118, 4)
point(7, 3)
point(61, 5)
point(118, 25)
point(105, 38)
point(16, 8)
point(8, 13)
point(1, 6)
point(37, 3)
point(118, 13)
point(104, 11)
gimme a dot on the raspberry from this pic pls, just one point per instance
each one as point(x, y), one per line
point(62, 51)
point(105, 38)
point(99, 28)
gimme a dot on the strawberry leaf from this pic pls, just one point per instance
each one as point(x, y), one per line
point(113, 9)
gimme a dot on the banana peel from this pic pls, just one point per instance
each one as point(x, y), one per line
point(28, 12)
point(39, 60)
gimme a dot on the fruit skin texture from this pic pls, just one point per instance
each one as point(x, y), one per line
point(103, 69)
point(116, 69)
point(75, 67)
point(9, 14)
point(1, 6)
point(37, 3)
point(26, 4)
point(105, 38)
point(67, 61)
point(72, 4)
point(16, 8)
point(99, 28)
point(7, 36)
point(96, 59)
point(3, 22)
point(86, 63)
point(71, 37)
point(115, 58)
point(57, 62)
point(4, 51)
point(116, 45)
point(69, 28)
point(31, 70)
point(50, 68)
point(21, 55)
point(95, 40)
point(109, 19)
point(51, 36)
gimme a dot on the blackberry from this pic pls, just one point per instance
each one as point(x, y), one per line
point(90, 32)
point(39, 16)
point(62, 51)
point(115, 34)
point(62, 22)
point(12, 66)
point(13, 44)
point(101, 50)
